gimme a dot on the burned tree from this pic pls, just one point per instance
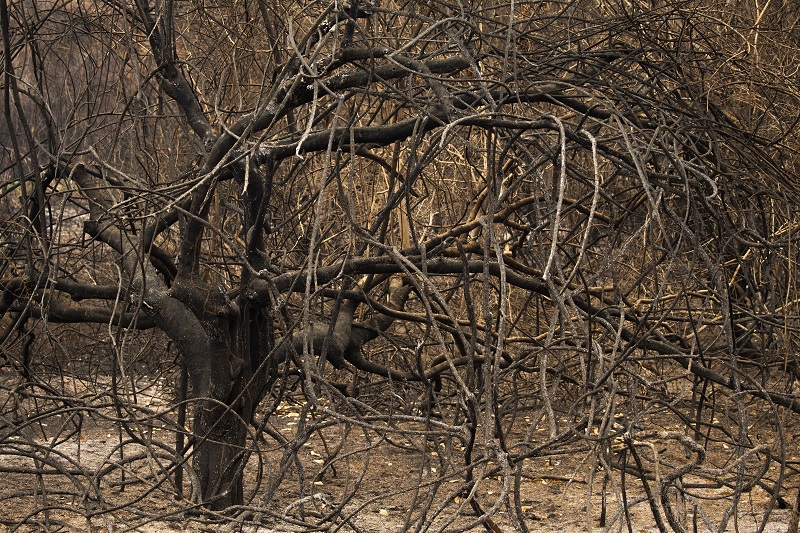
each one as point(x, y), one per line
point(466, 223)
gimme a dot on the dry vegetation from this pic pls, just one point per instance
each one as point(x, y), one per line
point(417, 266)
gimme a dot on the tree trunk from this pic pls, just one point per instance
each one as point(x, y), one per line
point(230, 373)
point(218, 454)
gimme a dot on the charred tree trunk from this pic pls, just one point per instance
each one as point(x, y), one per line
point(230, 366)
point(239, 366)
point(220, 432)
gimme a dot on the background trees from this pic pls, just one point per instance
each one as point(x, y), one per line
point(498, 232)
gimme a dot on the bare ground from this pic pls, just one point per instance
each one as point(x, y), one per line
point(100, 478)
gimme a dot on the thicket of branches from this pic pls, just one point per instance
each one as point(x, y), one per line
point(486, 233)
